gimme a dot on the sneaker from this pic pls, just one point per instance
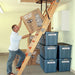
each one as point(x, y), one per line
point(11, 74)
point(18, 68)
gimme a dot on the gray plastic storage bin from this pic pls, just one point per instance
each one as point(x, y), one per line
point(48, 66)
point(49, 38)
point(63, 65)
point(48, 52)
point(64, 51)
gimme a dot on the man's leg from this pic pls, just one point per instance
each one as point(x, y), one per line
point(22, 57)
point(12, 55)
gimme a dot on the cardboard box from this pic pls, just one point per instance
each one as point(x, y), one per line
point(35, 57)
point(33, 20)
point(29, 41)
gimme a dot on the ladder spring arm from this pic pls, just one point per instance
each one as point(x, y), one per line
point(41, 6)
point(46, 10)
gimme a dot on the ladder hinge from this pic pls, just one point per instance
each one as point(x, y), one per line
point(29, 54)
point(43, 30)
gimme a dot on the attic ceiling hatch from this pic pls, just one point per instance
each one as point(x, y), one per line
point(40, 2)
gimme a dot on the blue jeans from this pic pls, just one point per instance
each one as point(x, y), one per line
point(12, 55)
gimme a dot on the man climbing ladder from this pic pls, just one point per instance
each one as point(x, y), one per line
point(38, 34)
point(14, 48)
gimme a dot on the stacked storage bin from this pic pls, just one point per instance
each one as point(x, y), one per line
point(64, 57)
point(48, 51)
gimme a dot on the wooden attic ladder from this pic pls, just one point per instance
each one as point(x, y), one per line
point(38, 35)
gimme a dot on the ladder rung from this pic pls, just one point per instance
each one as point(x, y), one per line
point(52, 2)
point(36, 34)
point(30, 47)
point(45, 15)
point(26, 54)
point(33, 40)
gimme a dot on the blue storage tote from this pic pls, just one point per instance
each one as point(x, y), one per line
point(63, 65)
point(48, 52)
point(64, 50)
point(49, 38)
point(41, 62)
point(48, 66)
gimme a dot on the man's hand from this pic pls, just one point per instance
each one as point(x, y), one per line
point(21, 17)
point(29, 34)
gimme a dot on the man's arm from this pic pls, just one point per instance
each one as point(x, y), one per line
point(19, 25)
point(25, 36)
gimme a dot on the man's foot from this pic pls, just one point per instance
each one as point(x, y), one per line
point(18, 68)
point(11, 74)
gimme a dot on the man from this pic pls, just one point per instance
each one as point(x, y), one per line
point(14, 48)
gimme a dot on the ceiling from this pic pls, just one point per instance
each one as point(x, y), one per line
point(18, 6)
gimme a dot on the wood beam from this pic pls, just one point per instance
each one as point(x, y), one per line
point(28, 0)
point(37, 1)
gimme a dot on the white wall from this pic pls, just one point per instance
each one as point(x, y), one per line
point(6, 21)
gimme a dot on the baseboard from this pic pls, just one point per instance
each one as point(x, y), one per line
point(73, 71)
point(4, 53)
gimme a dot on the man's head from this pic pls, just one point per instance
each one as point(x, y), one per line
point(15, 28)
